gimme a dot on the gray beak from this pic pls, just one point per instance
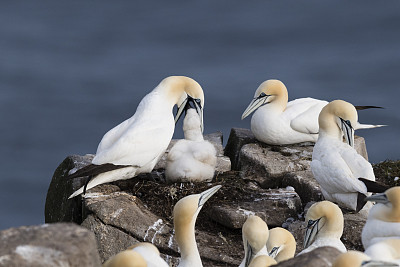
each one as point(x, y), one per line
point(204, 196)
point(190, 102)
point(311, 232)
point(348, 132)
point(378, 198)
point(255, 104)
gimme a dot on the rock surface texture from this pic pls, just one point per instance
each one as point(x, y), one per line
point(49, 245)
point(273, 182)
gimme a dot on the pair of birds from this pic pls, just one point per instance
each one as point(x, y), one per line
point(335, 165)
point(264, 247)
point(185, 215)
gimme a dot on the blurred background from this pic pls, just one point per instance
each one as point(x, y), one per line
point(70, 71)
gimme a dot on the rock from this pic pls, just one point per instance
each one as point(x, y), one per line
point(305, 185)
point(353, 225)
point(273, 206)
point(321, 257)
point(48, 245)
point(237, 138)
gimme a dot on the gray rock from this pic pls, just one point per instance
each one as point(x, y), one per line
point(273, 206)
point(353, 225)
point(49, 245)
point(321, 257)
point(305, 185)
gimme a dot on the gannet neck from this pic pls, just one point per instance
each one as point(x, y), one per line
point(262, 261)
point(127, 258)
point(277, 94)
point(192, 126)
point(281, 244)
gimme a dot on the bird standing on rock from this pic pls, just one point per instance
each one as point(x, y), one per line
point(279, 122)
point(336, 165)
point(135, 145)
point(191, 159)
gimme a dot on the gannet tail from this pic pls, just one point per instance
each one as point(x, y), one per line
point(374, 187)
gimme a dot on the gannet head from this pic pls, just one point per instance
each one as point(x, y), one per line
point(268, 92)
point(186, 93)
point(127, 258)
point(339, 118)
point(388, 205)
point(145, 246)
point(358, 259)
point(185, 215)
point(323, 219)
point(255, 236)
point(262, 261)
point(281, 244)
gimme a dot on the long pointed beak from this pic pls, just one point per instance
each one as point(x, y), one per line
point(348, 133)
point(311, 232)
point(254, 104)
point(189, 102)
point(204, 196)
point(378, 198)
point(367, 126)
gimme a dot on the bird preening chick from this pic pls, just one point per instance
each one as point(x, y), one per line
point(136, 145)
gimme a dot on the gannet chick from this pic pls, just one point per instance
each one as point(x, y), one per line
point(126, 258)
point(191, 159)
point(150, 254)
point(386, 250)
point(262, 261)
point(135, 145)
point(383, 219)
point(358, 259)
point(185, 214)
point(281, 244)
point(324, 227)
point(279, 122)
point(255, 236)
point(337, 165)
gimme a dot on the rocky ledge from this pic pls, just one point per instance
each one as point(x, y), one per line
point(273, 182)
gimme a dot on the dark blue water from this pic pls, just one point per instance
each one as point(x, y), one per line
point(70, 71)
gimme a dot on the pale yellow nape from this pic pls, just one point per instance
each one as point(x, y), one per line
point(276, 90)
point(177, 85)
point(278, 237)
point(262, 261)
point(127, 258)
point(350, 259)
point(256, 232)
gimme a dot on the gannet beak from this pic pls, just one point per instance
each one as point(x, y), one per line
point(348, 132)
point(248, 256)
point(367, 126)
point(188, 103)
point(255, 104)
point(274, 252)
point(311, 232)
point(378, 198)
point(377, 263)
point(207, 194)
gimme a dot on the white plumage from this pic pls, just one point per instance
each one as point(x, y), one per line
point(337, 165)
point(387, 250)
point(141, 140)
point(191, 159)
point(150, 254)
point(277, 121)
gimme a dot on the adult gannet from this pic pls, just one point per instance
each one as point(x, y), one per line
point(191, 159)
point(185, 214)
point(281, 244)
point(359, 259)
point(150, 253)
point(279, 122)
point(383, 219)
point(135, 145)
point(386, 250)
point(255, 236)
point(336, 165)
point(126, 258)
point(262, 261)
point(324, 227)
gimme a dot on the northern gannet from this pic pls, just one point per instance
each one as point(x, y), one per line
point(324, 227)
point(255, 236)
point(185, 214)
point(383, 220)
point(336, 165)
point(281, 244)
point(279, 122)
point(126, 258)
point(150, 253)
point(135, 145)
point(191, 159)
point(386, 250)
point(262, 261)
point(359, 259)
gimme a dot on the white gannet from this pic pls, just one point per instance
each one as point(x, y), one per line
point(281, 244)
point(336, 165)
point(262, 261)
point(279, 122)
point(324, 227)
point(383, 220)
point(150, 253)
point(185, 214)
point(126, 258)
point(359, 259)
point(135, 145)
point(191, 159)
point(386, 250)
point(255, 236)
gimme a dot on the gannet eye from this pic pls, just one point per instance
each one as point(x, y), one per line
point(262, 95)
point(198, 101)
point(310, 223)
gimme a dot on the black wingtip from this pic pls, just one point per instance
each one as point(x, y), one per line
point(360, 201)
point(374, 187)
point(366, 107)
point(94, 170)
